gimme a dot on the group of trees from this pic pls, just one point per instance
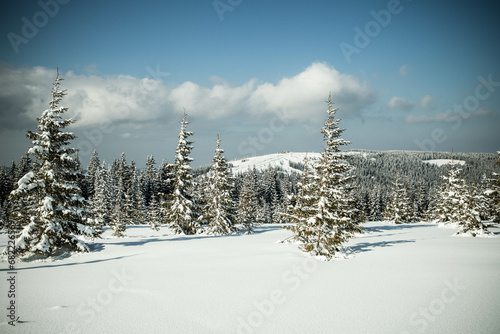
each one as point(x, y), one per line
point(49, 199)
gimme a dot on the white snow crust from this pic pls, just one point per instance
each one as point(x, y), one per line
point(408, 278)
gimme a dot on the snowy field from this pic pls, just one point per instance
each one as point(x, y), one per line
point(442, 162)
point(413, 278)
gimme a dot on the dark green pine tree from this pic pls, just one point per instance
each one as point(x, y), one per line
point(248, 204)
point(220, 209)
point(335, 219)
point(59, 214)
point(178, 213)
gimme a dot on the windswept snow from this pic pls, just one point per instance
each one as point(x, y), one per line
point(408, 278)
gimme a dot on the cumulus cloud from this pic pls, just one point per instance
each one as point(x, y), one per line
point(302, 96)
point(446, 116)
point(25, 93)
point(400, 103)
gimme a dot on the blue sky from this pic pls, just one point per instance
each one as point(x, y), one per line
point(405, 74)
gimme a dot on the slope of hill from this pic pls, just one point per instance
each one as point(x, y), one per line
point(284, 161)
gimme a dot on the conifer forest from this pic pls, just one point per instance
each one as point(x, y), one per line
point(53, 202)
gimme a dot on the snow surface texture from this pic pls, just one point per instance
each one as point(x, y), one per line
point(409, 278)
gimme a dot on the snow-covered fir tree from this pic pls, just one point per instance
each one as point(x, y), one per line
point(101, 202)
point(118, 217)
point(5, 184)
point(469, 219)
point(482, 199)
point(3, 217)
point(220, 210)
point(248, 204)
point(300, 213)
point(59, 214)
point(399, 209)
point(422, 201)
point(178, 213)
point(148, 180)
point(90, 176)
point(335, 219)
point(447, 208)
point(154, 214)
point(494, 195)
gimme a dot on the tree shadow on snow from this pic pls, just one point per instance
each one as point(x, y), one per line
point(70, 264)
point(369, 246)
point(394, 227)
point(263, 228)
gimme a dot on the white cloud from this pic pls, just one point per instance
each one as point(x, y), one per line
point(302, 97)
point(426, 101)
point(124, 98)
point(404, 70)
point(400, 103)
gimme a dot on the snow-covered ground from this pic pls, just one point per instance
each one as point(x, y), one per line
point(441, 162)
point(413, 278)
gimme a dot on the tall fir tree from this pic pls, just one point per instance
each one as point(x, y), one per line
point(101, 202)
point(446, 209)
point(399, 209)
point(154, 214)
point(494, 195)
point(90, 176)
point(59, 215)
point(300, 213)
point(178, 213)
point(220, 209)
point(3, 217)
point(248, 204)
point(469, 220)
point(335, 219)
point(118, 217)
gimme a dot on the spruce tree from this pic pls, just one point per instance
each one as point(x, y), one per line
point(301, 211)
point(447, 208)
point(335, 219)
point(399, 209)
point(3, 217)
point(154, 214)
point(101, 202)
point(248, 204)
point(5, 184)
point(58, 215)
point(220, 210)
point(178, 213)
point(118, 217)
point(494, 195)
point(469, 219)
point(92, 170)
